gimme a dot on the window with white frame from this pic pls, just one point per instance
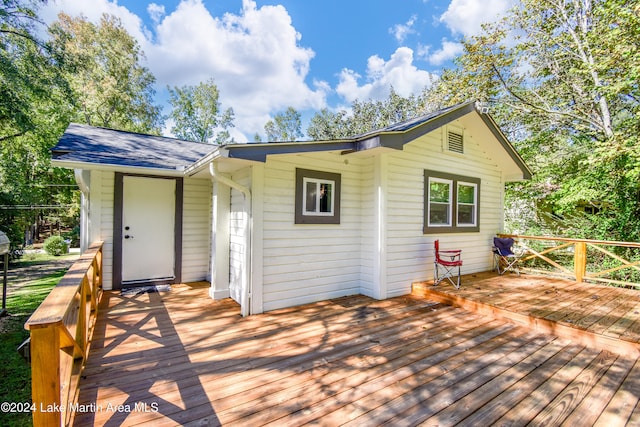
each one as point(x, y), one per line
point(317, 197)
point(451, 203)
point(467, 204)
point(440, 202)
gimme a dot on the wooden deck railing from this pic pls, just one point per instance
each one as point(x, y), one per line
point(593, 260)
point(60, 331)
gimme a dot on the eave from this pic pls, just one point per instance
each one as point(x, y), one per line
point(118, 168)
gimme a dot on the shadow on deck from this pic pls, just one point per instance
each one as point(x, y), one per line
point(179, 358)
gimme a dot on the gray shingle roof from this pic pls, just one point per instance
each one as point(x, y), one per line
point(99, 146)
point(414, 122)
point(89, 144)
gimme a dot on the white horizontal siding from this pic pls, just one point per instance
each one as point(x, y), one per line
point(105, 191)
point(196, 229)
point(305, 263)
point(409, 251)
point(311, 262)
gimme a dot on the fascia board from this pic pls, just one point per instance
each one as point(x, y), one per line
point(117, 168)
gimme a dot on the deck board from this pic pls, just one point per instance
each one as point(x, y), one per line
point(595, 313)
point(491, 411)
point(184, 359)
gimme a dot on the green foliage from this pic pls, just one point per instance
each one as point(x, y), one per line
point(87, 73)
point(55, 245)
point(367, 116)
point(326, 125)
point(24, 69)
point(33, 114)
point(16, 374)
point(197, 116)
point(102, 65)
point(561, 80)
point(15, 371)
point(284, 126)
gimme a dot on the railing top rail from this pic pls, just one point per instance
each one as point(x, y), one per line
point(571, 240)
point(55, 306)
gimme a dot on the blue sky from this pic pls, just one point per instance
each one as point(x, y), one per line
point(267, 55)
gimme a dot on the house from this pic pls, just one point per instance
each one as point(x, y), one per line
point(274, 225)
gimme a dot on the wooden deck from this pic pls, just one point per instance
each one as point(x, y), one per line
point(179, 358)
point(593, 314)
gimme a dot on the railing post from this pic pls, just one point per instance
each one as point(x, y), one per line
point(580, 261)
point(45, 375)
point(83, 316)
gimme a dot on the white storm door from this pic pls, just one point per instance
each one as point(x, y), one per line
point(148, 229)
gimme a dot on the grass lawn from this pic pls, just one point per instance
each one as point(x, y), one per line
point(23, 297)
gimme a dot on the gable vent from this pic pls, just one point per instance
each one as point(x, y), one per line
point(455, 142)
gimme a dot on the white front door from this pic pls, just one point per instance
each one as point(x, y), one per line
point(148, 229)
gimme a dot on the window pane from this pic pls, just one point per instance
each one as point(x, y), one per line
point(439, 192)
point(466, 193)
point(439, 214)
point(317, 196)
point(466, 215)
point(310, 204)
point(326, 196)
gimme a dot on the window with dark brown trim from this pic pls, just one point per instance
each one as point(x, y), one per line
point(317, 197)
point(451, 203)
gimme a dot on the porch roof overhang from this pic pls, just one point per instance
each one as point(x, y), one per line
point(392, 137)
point(259, 152)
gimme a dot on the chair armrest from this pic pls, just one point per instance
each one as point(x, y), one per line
point(452, 252)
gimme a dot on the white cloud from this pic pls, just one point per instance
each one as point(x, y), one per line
point(447, 52)
point(156, 12)
point(253, 56)
point(422, 51)
point(401, 31)
point(398, 72)
point(466, 16)
point(92, 11)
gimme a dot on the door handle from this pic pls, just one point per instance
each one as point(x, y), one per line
point(126, 236)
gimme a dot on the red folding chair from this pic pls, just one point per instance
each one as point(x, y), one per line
point(447, 261)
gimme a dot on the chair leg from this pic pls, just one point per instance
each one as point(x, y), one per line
point(504, 264)
point(448, 274)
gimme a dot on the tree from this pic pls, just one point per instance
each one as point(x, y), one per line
point(25, 69)
point(102, 64)
point(197, 116)
point(366, 116)
point(33, 114)
point(326, 125)
point(561, 78)
point(284, 126)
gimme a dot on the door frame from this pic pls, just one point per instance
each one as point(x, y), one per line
point(118, 205)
